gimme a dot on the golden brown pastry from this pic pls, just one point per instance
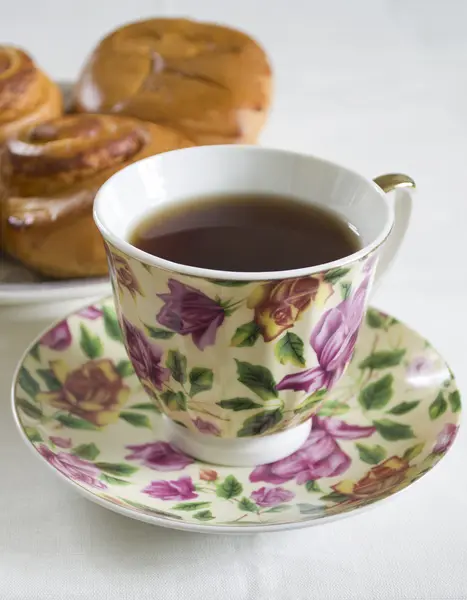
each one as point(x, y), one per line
point(52, 172)
point(210, 82)
point(27, 96)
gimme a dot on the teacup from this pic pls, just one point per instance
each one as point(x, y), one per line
point(239, 362)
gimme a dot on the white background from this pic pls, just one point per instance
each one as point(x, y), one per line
point(378, 85)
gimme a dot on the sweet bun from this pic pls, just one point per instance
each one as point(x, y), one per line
point(51, 173)
point(27, 95)
point(210, 82)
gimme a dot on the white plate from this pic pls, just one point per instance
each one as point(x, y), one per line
point(19, 285)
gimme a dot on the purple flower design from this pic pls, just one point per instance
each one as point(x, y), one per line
point(420, 371)
point(145, 356)
point(77, 469)
point(333, 339)
point(179, 489)
point(369, 264)
point(320, 456)
point(269, 496)
point(188, 311)
point(60, 442)
point(90, 312)
point(159, 456)
point(58, 338)
point(206, 426)
point(122, 274)
point(445, 439)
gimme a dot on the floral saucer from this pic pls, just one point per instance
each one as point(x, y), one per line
point(82, 411)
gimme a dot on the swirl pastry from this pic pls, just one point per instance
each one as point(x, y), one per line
point(210, 82)
point(27, 96)
point(51, 174)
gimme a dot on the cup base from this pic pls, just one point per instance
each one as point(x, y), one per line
point(237, 452)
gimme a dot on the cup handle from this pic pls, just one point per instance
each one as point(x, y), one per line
point(402, 212)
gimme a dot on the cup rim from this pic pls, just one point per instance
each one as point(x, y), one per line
point(205, 273)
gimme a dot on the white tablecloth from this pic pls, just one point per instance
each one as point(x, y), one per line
point(376, 85)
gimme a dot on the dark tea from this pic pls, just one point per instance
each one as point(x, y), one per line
point(249, 232)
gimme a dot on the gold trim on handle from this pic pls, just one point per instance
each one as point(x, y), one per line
point(391, 181)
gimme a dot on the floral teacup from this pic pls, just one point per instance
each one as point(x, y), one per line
point(239, 362)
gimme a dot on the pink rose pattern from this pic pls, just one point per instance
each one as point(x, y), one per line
point(267, 497)
point(333, 339)
point(73, 467)
point(60, 442)
point(320, 456)
point(59, 337)
point(188, 311)
point(420, 370)
point(180, 489)
point(159, 456)
point(122, 273)
point(445, 438)
point(90, 312)
point(145, 356)
point(207, 427)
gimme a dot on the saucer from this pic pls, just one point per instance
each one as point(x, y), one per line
point(82, 411)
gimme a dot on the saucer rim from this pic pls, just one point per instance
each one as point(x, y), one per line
point(207, 528)
point(203, 527)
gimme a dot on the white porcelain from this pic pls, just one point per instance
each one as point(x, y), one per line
point(237, 452)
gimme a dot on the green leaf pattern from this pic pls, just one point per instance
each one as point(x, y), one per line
point(438, 406)
point(87, 451)
point(237, 404)
point(27, 382)
point(135, 419)
point(377, 394)
point(393, 431)
point(90, 343)
point(174, 400)
point(246, 335)
point(229, 488)
point(258, 379)
point(111, 326)
point(260, 423)
point(383, 359)
point(177, 362)
point(290, 350)
point(200, 380)
point(371, 454)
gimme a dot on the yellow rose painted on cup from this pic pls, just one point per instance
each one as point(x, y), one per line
point(94, 392)
point(278, 305)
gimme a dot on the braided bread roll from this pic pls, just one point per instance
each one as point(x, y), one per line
point(51, 174)
point(27, 96)
point(212, 83)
